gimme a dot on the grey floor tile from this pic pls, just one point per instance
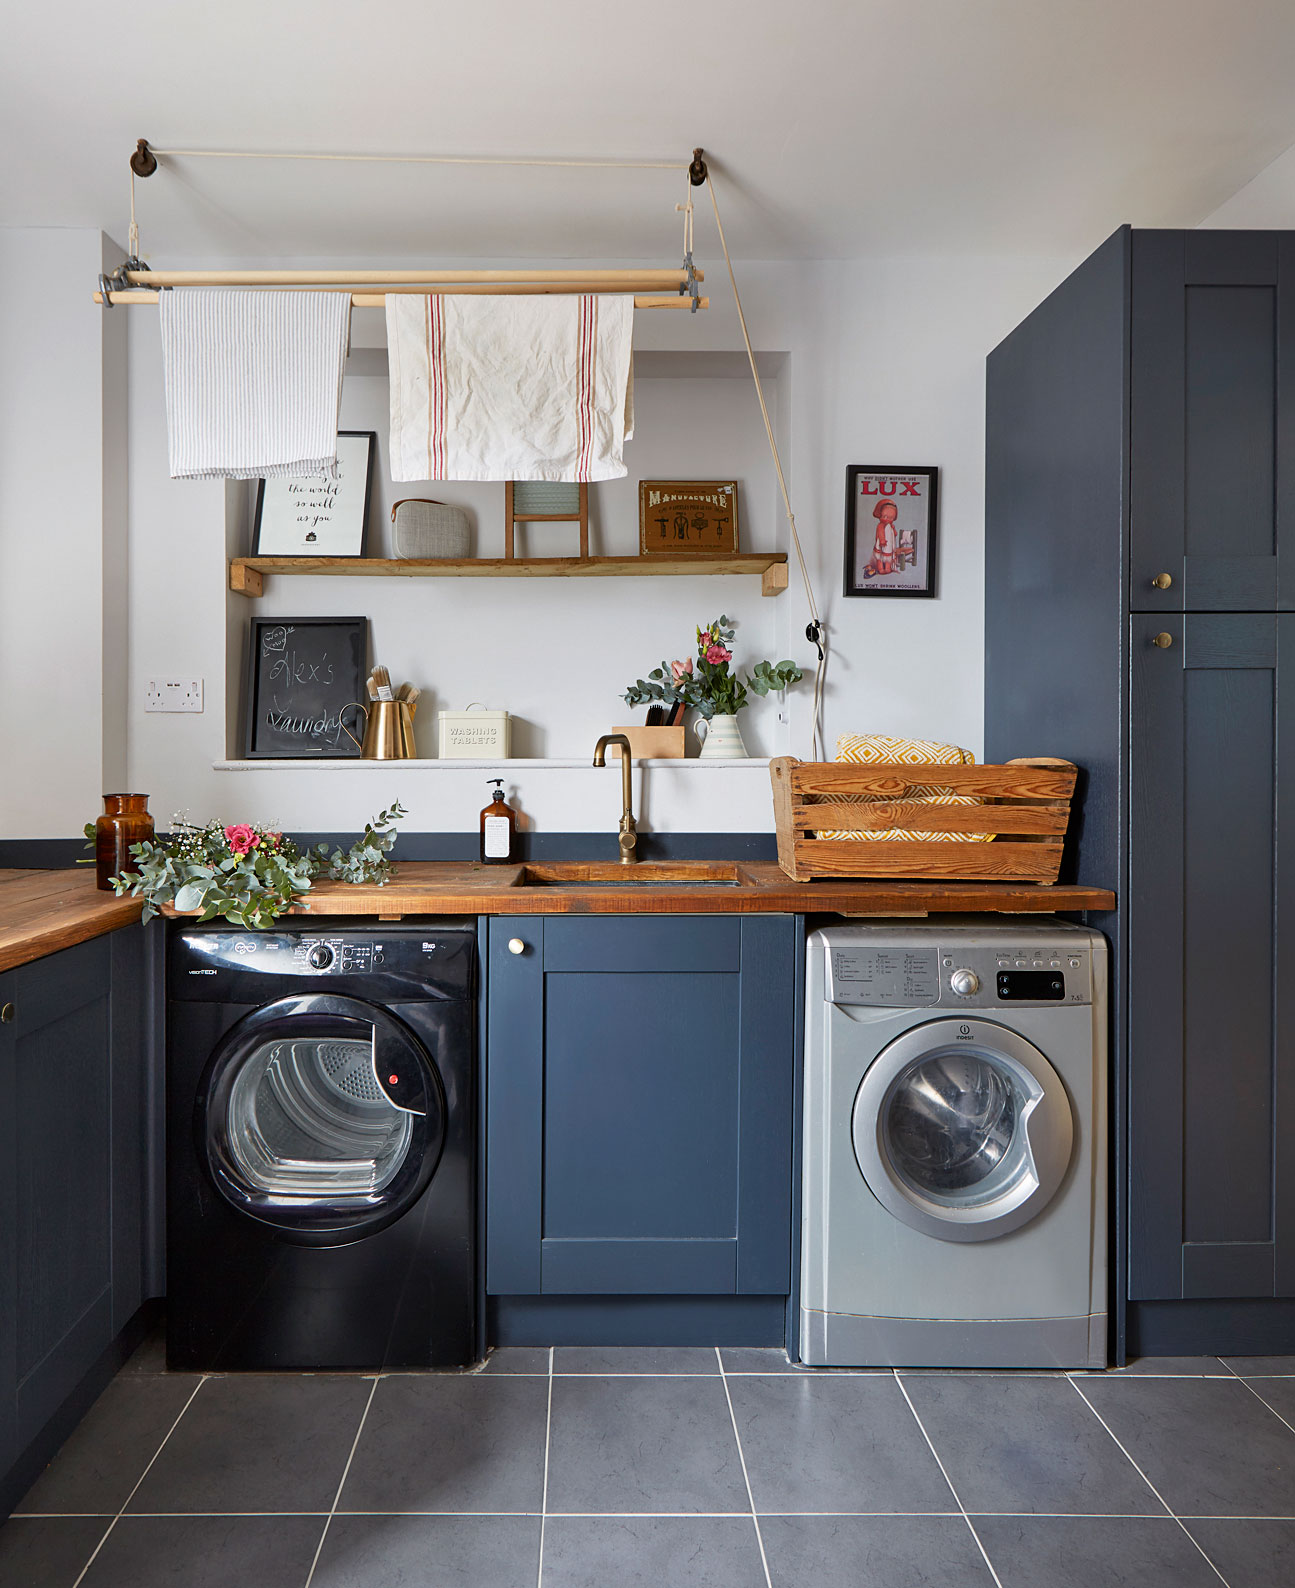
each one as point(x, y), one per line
point(469, 1443)
point(1208, 1445)
point(39, 1552)
point(872, 1552)
point(760, 1359)
point(518, 1359)
point(260, 1442)
point(1094, 1552)
point(1250, 1554)
point(107, 1453)
point(150, 1356)
point(1172, 1367)
point(206, 1552)
point(643, 1444)
point(1028, 1444)
point(835, 1444)
point(635, 1359)
point(652, 1552)
point(1279, 1393)
point(429, 1552)
point(1253, 1366)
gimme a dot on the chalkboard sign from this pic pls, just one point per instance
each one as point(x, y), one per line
point(302, 673)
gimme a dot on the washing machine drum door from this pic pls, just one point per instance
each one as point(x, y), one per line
point(962, 1129)
point(321, 1116)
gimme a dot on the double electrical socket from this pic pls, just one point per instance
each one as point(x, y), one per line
point(173, 694)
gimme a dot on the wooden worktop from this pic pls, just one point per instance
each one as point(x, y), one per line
point(44, 911)
point(463, 888)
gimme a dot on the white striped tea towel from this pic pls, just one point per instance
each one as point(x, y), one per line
point(510, 388)
point(253, 381)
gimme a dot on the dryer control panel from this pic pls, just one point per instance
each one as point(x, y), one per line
point(958, 971)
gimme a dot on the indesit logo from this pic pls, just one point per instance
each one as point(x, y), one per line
point(964, 1033)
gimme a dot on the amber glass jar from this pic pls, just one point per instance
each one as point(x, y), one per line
point(125, 821)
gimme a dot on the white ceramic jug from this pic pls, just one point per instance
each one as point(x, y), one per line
point(721, 739)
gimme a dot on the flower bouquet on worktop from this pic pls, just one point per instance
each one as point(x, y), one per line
point(711, 688)
point(246, 873)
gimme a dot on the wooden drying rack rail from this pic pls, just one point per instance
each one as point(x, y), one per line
point(247, 574)
point(652, 289)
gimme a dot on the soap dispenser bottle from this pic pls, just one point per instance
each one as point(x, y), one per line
point(498, 828)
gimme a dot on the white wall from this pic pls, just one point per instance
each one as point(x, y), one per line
point(1267, 201)
point(63, 596)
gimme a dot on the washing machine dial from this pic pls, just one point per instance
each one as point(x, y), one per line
point(964, 983)
point(320, 956)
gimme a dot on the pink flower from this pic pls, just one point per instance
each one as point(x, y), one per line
point(241, 838)
point(681, 670)
point(715, 654)
point(273, 839)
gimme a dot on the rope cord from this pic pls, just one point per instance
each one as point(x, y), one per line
point(427, 159)
point(817, 632)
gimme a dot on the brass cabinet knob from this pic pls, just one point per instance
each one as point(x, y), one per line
point(1163, 640)
point(516, 946)
point(1162, 581)
point(7, 1014)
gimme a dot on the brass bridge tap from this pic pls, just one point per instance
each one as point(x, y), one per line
point(628, 831)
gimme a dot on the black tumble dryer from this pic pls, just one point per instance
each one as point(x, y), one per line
point(320, 1147)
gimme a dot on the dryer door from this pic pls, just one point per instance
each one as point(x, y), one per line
point(962, 1129)
point(321, 1116)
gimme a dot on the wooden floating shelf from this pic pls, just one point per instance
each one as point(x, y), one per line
point(247, 574)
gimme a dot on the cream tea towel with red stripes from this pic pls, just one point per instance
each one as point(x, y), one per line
point(510, 388)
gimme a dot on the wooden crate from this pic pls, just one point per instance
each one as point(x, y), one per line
point(1026, 807)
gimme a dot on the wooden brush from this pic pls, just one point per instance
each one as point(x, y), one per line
point(409, 693)
point(382, 682)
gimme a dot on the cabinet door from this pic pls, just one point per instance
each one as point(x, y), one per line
point(639, 1105)
point(61, 1209)
point(8, 1249)
point(1212, 957)
point(1212, 420)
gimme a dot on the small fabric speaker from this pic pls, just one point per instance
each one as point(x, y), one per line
point(423, 528)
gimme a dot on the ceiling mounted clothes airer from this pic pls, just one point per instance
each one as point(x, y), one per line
point(135, 282)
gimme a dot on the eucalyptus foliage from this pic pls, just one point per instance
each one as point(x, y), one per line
point(247, 874)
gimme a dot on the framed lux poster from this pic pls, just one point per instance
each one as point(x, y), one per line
point(310, 515)
point(890, 523)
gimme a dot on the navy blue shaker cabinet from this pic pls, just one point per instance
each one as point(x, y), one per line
point(1140, 506)
point(75, 1265)
point(639, 1105)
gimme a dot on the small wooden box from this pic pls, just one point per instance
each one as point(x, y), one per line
point(648, 744)
point(681, 518)
point(1024, 805)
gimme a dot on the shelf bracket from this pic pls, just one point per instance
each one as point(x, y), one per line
point(773, 581)
point(244, 580)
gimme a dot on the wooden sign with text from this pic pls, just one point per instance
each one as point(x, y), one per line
point(678, 518)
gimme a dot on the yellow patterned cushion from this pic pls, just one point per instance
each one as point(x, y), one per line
point(874, 749)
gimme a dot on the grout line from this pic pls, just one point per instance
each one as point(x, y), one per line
point(544, 1498)
point(107, 1533)
point(346, 1472)
point(746, 1477)
point(957, 1497)
point(1148, 1481)
point(1284, 1420)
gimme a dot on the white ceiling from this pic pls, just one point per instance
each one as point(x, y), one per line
point(839, 127)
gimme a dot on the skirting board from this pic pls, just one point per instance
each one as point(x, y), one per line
point(636, 1320)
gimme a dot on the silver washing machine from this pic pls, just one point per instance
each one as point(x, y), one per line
point(954, 1167)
